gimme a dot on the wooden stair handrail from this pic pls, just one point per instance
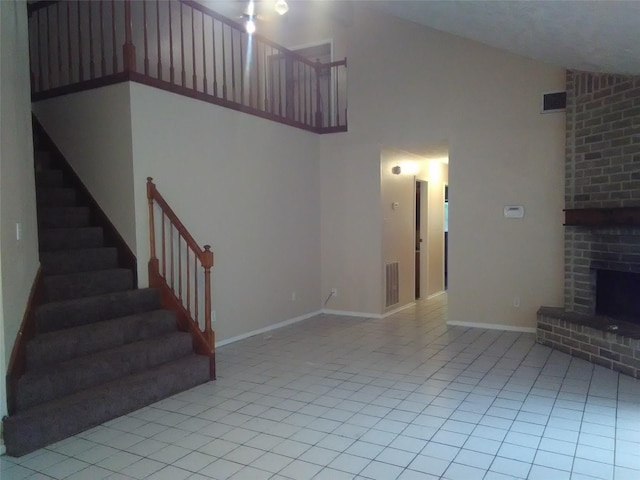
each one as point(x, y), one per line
point(154, 195)
point(203, 340)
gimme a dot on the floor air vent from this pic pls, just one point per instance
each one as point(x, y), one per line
point(392, 285)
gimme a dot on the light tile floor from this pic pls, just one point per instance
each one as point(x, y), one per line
point(402, 398)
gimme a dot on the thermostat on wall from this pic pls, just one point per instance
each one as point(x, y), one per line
point(513, 211)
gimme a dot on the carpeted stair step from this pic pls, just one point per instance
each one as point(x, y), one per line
point(56, 196)
point(31, 429)
point(70, 238)
point(62, 345)
point(84, 311)
point(86, 284)
point(66, 378)
point(63, 217)
point(49, 178)
point(82, 260)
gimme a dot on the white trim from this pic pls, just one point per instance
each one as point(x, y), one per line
point(434, 295)
point(399, 309)
point(492, 326)
point(347, 313)
point(268, 329)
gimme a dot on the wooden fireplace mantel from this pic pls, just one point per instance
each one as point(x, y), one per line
point(602, 217)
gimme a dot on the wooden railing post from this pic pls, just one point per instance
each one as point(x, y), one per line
point(207, 263)
point(128, 49)
point(318, 70)
point(152, 229)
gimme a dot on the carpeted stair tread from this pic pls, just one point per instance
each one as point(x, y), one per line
point(63, 217)
point(31, 429)
point(52, 239)
point(81, 260)
point(62, 345)
point(49, 178)
point(83, 311)
point(56, 196)
point(65, 378)
point(86, 284)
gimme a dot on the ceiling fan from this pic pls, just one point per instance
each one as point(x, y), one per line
point(264, 11)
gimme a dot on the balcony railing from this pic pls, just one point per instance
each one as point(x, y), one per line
point(183, 47)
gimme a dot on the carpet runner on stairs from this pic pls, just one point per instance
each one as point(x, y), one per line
point(102, 348)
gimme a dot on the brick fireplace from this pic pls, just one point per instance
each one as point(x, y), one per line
point(602, 219)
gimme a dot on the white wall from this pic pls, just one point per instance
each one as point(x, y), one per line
point(93, 130)
point(410, 87)
point(18, 259)
point(247, 186)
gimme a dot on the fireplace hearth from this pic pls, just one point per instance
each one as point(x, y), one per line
point(600, 318)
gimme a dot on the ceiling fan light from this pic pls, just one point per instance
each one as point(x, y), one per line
point(250, 26)
point(281, 7)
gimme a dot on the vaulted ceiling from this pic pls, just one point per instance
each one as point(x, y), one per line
point(594, 35)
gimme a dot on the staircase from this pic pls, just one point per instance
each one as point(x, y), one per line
point(101, 347)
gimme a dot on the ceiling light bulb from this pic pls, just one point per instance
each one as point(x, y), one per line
point(250, 26)
point(282, 7)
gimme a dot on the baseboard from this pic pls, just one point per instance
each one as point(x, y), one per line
point(399, 309)
point(347, 313)
point(275, 326)
point(437, 294)
point(492, 326)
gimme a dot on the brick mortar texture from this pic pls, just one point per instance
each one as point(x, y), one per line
point(602, 171)
point(607, 349)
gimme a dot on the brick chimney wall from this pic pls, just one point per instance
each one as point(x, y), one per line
point(602, 171)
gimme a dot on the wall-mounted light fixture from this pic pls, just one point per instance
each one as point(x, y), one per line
point(396, 170)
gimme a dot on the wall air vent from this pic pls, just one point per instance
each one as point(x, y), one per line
point(392, 285)
point(554, 102)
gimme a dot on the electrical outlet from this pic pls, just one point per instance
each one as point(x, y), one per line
point(18, 231)
point(516, 302)
point(293, 296)
point(213, 316)
point(334, 292)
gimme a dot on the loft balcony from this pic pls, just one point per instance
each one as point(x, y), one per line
point(183, 47)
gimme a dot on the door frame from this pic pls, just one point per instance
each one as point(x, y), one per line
point(421, 270)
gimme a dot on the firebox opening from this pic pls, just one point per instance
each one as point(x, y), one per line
point(618, 295)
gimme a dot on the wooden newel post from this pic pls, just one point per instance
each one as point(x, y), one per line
point(207, 263)
point(128, 49)
point(318, 69)
point(152, 228)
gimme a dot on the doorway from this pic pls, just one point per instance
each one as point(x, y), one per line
point(446, 237)
point(421, 235)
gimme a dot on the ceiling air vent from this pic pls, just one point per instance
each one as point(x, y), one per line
point(554, 102)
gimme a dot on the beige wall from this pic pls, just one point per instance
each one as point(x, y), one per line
point(18, 258)
point(410, 87)
point(93, 131)
point(247, 186)
point(397, 194)
point(270, 198)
